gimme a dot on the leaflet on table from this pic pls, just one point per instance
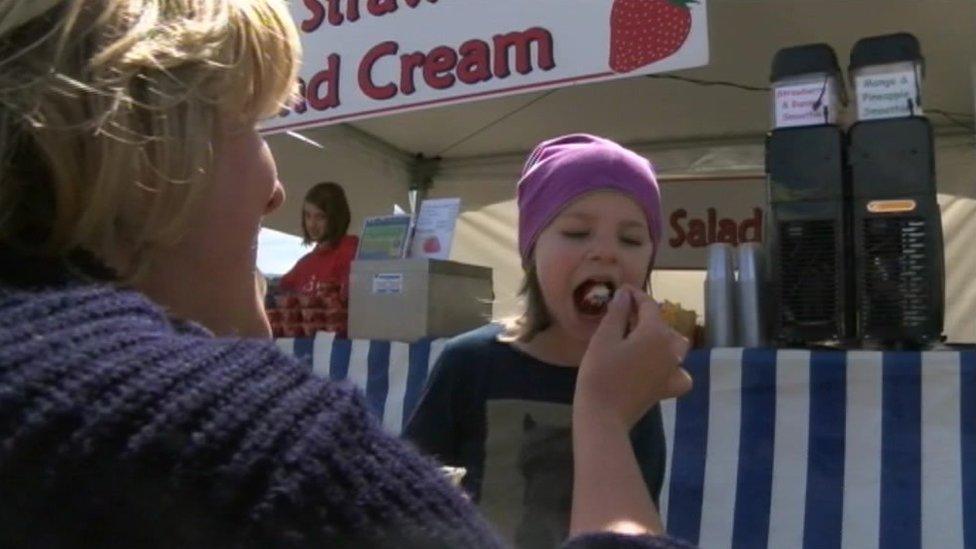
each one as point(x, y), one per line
point(384, 237)
point(434, 228)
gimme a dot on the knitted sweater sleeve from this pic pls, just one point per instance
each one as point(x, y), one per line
point(128, 436)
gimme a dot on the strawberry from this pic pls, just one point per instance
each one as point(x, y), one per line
point(432, 245)
point(645, 31)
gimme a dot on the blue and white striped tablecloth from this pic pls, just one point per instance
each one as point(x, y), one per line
point(777, 449)
point(391, 373)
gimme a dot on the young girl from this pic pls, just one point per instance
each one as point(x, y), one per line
point(325, 220)
point(498, 402)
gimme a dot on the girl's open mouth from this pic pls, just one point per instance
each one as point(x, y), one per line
point(592, 296)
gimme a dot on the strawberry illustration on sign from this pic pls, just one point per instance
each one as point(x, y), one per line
point(645, 31)
point(432, 245)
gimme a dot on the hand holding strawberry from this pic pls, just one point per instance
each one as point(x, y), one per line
point(624, 373)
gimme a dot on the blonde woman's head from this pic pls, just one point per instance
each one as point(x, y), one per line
point(109, 111)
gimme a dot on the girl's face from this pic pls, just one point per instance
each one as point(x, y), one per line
point(316, 222)
point(600, 237)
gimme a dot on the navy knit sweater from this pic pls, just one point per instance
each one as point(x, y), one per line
point(122, 427)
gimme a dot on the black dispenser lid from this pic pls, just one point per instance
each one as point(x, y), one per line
point(889, 48)
point(806, 59)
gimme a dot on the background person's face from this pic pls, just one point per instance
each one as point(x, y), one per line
point(316, 222)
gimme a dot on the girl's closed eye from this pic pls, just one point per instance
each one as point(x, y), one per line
point(632, 234)
point(577, 234)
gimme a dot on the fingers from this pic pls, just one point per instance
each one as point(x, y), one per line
point(679, 383)
point(634, 294)
point(679, 345)
point(649, 319)
point(614, 322)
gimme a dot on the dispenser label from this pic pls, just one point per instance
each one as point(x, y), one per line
point(807, 104)
point(888, 95)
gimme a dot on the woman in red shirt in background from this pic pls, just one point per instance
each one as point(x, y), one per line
point(325, 220)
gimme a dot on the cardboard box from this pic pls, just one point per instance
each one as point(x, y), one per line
point(409, 299)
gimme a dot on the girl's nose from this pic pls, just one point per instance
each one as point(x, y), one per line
point(603, 250)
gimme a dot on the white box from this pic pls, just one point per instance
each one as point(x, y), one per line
point(409, 299)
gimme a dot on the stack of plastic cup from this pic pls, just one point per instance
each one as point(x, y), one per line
point(750, 310)
point(720, 296)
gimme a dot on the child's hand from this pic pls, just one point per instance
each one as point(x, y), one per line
point(624, 372)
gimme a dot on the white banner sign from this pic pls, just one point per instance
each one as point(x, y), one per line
point(367, 58)
point(697, 214)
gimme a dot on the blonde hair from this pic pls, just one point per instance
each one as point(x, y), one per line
point(108, 110)
point(534, 317)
